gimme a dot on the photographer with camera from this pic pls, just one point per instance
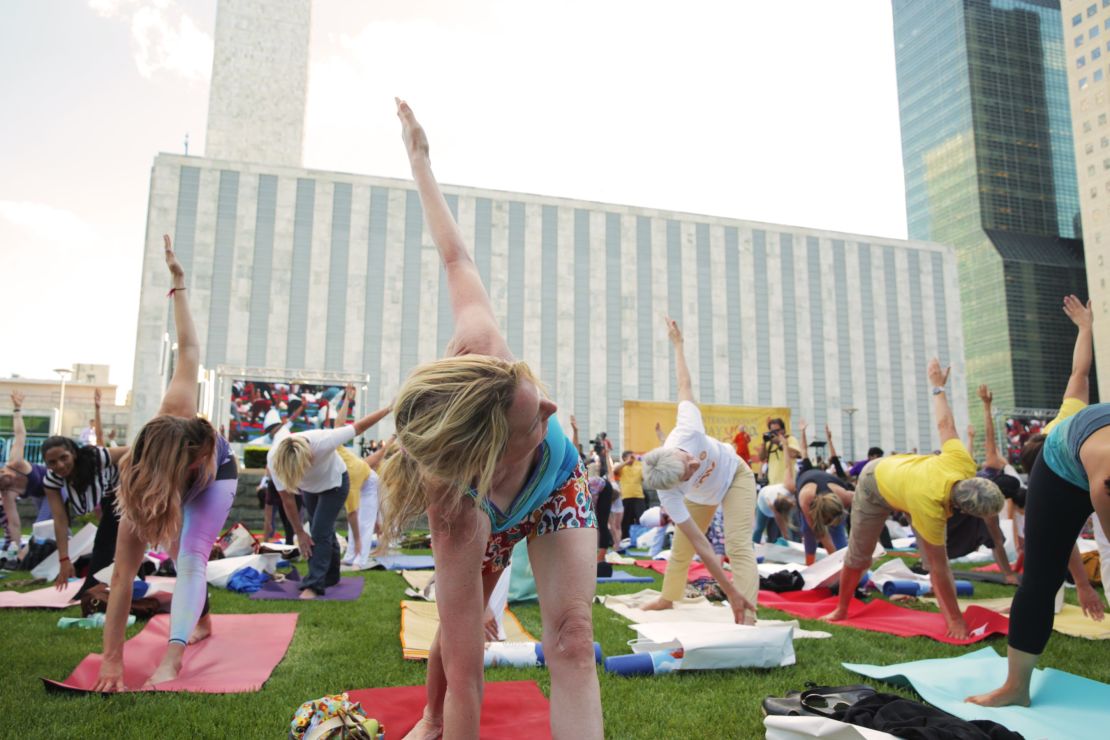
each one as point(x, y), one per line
point(630, 473)
point(773, 452)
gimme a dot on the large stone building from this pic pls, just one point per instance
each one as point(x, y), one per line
point(1087, 46)
point(310, 275)
point(990, 169)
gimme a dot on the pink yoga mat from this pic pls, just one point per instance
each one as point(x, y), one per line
point(882, 616)
point(697, 570)
point(240, 655)
point(510, 710)
point(41, 598)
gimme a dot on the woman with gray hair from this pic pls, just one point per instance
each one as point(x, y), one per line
point(929, 488)
point(695, 474)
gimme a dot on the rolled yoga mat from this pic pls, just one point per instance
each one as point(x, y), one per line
point(654, 663)
point(916, 588)
point(521, 654)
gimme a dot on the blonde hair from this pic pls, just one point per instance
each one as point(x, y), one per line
point(826, 510)
point(452, 424)
point(292, 460)
point(155, 474)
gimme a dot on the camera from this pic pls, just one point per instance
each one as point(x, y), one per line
point(768, 436)
point(598, 443)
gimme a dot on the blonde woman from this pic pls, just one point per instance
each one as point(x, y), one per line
point(307, 463)
point(480, 451)
point(176, 485)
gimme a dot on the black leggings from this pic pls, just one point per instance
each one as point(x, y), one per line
point(1055, 512)
point(603, 508)
point(104, 544)
point(633, 509)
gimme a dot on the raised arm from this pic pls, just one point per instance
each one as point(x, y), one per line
point(938, 378)
point(659, 433)
point(833, 457)
point(180, 398)
point(990, 440)
point(346, 407)
point(789, 469)
point(574, 432)
point(16, 461)
point(685, 385)
point(805, 437)
point(98, 426)
point(374, 459)
point(476, 327)
point(1079, 384)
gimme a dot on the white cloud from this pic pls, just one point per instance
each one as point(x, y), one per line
point(163, 37)
point(48, 223)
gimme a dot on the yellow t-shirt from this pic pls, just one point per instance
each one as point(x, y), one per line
point(357, 472)
point(1070, 407)
point(920, 485)
point(632, 481)
point(776, 461)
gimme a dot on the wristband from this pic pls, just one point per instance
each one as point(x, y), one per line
point(63, 560)
point(938, 389)
point(17, 411)
point(172, 291)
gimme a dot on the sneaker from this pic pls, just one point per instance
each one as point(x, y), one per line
point(348, 558)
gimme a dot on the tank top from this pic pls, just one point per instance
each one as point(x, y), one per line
point(1061, 447)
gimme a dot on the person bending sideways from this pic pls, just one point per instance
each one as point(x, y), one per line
point(480, 451)
point(1069, 479)
point(927, 487)
point(695, 474)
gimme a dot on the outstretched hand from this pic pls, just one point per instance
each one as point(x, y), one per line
point(673, 332)
point(412, 133)
point(1080, 314)
point(985, 395)
point(17, 399)
point(176, 270)
point(937, 376)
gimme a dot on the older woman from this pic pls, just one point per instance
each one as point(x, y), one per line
point(694, 475)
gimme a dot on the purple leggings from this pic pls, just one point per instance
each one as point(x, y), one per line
point(204, 517)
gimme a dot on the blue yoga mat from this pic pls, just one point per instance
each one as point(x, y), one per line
point(404, 562)
point(619, 576)
point(1063, 705)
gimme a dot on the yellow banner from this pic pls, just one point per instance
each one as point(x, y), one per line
point(721, 422)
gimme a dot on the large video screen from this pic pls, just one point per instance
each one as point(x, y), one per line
point(256, 404)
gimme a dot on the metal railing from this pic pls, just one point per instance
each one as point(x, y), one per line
point(32, 449)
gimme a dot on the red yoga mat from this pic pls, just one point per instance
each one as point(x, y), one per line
point(510, 709)
point(238, 657)
point(41, 598)
point(882, 616)
point(697, 570)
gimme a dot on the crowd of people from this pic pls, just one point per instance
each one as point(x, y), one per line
point(478, 451)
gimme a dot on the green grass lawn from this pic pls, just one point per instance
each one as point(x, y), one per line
point(348, 645)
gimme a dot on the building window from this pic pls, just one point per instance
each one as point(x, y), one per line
point(1079, 40)
point(1090, 148)
point(1105, 142)
point(1091, 9)
point(1106, 164)
point(1086, 127)
point(1082, 83)
point(1096, 53)
point(1098, 75)
point(1091, 171)
point(1081, 62)
point(1077, 19)
point(1094, 192)
point(1101, 119)
point(1093, 32)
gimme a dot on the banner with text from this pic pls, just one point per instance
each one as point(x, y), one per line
point(721, 421)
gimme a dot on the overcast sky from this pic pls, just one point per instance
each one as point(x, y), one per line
point(773, 111)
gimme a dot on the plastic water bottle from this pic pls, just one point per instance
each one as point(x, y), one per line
point(655, 663)
point(96, 621)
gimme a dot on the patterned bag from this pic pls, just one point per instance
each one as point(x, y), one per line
point(333, 716)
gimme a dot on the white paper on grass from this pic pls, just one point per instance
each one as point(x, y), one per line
point(709, 647)
point(79, 544)
point(825, 572)
point(806, 728)
point(772, 553)
point(896, 570)
point(219, 571)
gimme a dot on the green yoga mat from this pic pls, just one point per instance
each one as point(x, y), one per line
point(1063, 705)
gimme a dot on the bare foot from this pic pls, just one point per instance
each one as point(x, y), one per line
point(835, 616)
point(1003, 696)
point(658, 605)
point(308, 594)
point(425, 730)
point(167, 671)
point(202, 630)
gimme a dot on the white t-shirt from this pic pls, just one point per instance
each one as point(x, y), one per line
point(327, 468)
point(765, 499)
point(719, 462)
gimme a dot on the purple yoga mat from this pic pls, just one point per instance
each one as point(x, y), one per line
point(348, 589)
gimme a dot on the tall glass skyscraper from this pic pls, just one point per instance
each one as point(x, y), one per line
point(990, 169)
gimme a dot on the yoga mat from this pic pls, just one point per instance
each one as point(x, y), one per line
point(510, 709)
point(402, 562)
point(238, 657)
point(348, 589)
point(41, 598)
point(80, 544)
point(219, 571)
point(420, 620)
point(982, 576)
point(615, 558)
point(620, 576)
point(697, 570)
point(700, 610)
point(882, 616)
point(1070, 621)
point(1063, 705)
